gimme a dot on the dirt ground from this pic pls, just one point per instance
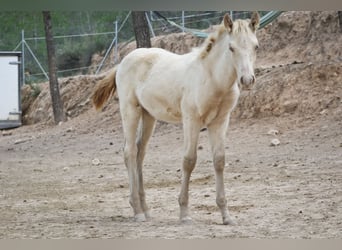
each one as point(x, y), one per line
point(69, 181)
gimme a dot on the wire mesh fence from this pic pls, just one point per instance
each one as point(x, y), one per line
point(75, 52)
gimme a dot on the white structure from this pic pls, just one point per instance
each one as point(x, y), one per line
point(10, 82)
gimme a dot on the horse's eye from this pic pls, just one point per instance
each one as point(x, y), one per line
point(256, 47)
point(231, 49)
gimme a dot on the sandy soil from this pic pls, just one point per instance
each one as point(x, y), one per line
point(69, 181)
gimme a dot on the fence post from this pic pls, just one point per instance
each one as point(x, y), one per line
point(116, 42)
point(149, 24)
point(113, 43)
point(183, 22)
point(23, 55)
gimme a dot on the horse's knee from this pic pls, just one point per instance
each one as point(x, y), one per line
point(130, 148)
point(219, 162)
point(189, 162)
point(130, 152)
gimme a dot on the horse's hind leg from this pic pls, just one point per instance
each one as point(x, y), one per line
point(145, 131)
point(217, 132)
point(131, 115)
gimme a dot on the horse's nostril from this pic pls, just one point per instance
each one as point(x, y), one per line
point(247, 80)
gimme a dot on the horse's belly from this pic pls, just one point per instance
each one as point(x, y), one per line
point(164, 107)
point(167, 116)
point(162, 113)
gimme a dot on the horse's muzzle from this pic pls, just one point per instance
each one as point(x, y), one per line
point(247, 80)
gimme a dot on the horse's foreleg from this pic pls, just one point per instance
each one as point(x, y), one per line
point(145, 131)
point(130, 120)
point(191, 132)
point(217, 131)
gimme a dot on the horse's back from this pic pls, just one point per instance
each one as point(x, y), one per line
point(138, 64)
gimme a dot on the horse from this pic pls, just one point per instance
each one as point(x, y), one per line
point(198, 89)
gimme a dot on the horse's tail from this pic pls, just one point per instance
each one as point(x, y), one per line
point(104, 89)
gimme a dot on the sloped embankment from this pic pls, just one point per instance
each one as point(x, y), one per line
point(298, 71)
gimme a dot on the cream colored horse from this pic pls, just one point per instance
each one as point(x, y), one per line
point(199, 89)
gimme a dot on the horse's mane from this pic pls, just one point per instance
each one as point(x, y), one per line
point(239, 26)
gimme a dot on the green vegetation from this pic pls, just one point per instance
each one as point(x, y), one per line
point(72, 52)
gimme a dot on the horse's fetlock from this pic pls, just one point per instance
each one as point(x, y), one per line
point(221, 202)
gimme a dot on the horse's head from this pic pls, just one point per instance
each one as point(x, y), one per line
point(242, 46)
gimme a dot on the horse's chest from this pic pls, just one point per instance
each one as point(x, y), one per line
point(209, 111)
point(216, 106)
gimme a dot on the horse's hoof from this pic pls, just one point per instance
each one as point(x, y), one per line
point(186, 220)
point(139, 218)
point(229, 221)
point(147, 215)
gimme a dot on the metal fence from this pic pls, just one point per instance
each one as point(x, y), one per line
point(160, 23)
point(34, 59)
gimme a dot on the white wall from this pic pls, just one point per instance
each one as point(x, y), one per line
point(9, 87)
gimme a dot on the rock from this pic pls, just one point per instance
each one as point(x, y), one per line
point(273, 132)
point(21, 140)
point(323, 112)
point(69, 130)
point(95, 162)
point(6, 133)
point(275, 142)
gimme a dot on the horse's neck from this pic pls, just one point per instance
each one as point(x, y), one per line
point(220, 65)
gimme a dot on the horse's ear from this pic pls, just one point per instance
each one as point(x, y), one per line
point(255, 20)
point(228, 23)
